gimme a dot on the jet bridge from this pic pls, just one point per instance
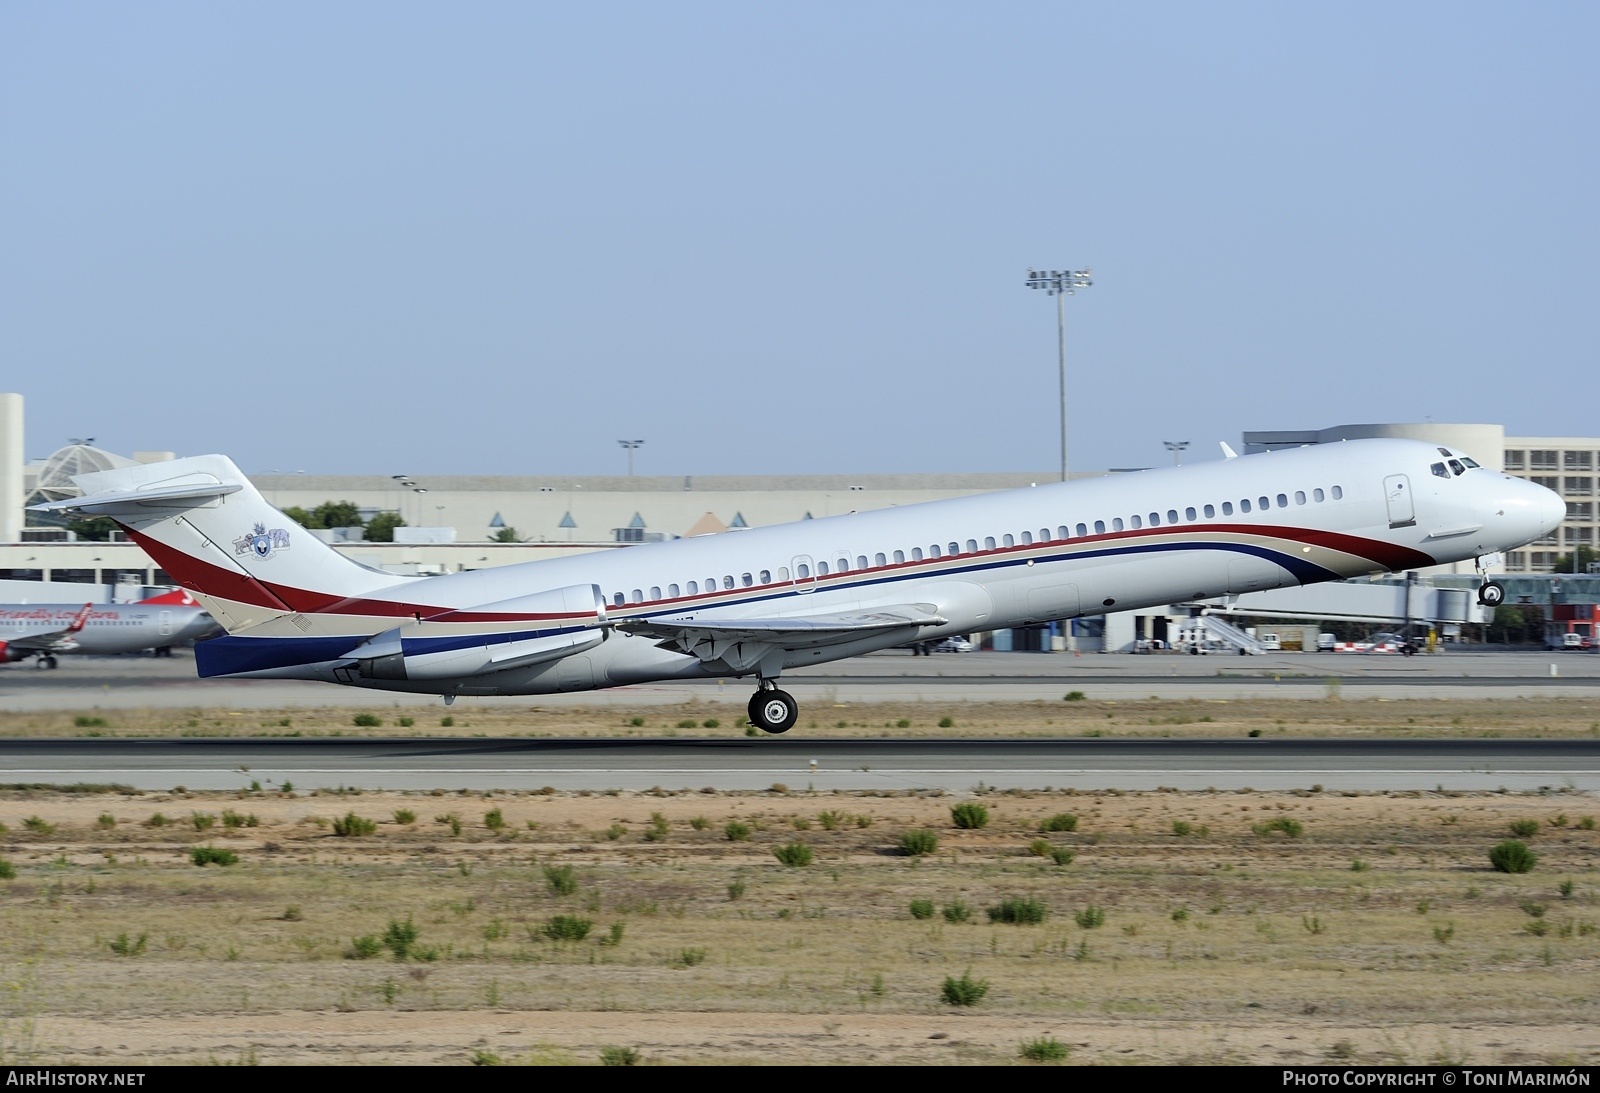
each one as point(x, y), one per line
point(1354, 601)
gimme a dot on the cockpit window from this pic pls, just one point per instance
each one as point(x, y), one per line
point(1455, 465)
point(1469, 461)
point(1445, 452)
point(1439, 471)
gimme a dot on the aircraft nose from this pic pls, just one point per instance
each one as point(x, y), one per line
point(1543, 507)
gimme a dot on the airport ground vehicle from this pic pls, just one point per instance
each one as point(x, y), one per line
point(773, 599)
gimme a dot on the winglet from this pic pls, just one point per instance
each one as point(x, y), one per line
point(1227, 452)
point(82, 617)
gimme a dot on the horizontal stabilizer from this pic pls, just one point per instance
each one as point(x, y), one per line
point(135, 500)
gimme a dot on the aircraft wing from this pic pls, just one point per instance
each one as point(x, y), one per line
point(743, 644)
point(58, 639)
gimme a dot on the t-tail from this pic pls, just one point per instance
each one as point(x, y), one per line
point(202, 521)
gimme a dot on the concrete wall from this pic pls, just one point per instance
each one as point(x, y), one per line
point(11, 463)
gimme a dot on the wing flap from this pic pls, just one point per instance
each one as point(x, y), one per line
point(791, 632)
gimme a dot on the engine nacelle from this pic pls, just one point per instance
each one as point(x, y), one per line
point(493, 637)
point(9, 655)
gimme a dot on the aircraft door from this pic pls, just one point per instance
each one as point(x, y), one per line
point(805, 573)
point(1397, 495)
point(164, 623)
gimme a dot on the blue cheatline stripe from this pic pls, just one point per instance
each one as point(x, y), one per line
point(229, 655)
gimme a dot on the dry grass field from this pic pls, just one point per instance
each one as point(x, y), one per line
point(1231, 927)
point(1325, 714)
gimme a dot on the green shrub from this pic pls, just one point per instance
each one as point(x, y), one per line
point(452, 819)
point(1512, 856)
point(7, 870)
point(699, 823)
point(202, 821)
point(1019, 911)
point(903, 723)
point(567, 928)
point(914, 844)
point(364, 948)
point(965, 991)
point(407, 722)
point(1060, 855)
point(404, 816)
point(921, 908)
point(1358, 866)
point(1182, 827)
point(1091, 917)
point(832, 819)
point(83, 722)
point(1282, 824)
point(494, 820)
point(1073, 696)
point(946, 723)
point(736, 831)
point(736, 890)
point(1061, 821)
point(235, 820)
point(122, 946)
point(1044, 1050)
point(366, 721)
point(38, 826)
point(447, 722)
point(687, 723)
point(793, 854)
point(1039, 848)
point(213, 855)
point(615, 832)
point(562, 879)
point(351, 826)
point(400, 937)
point(688, 958)
point(1524, 829)
point(1533, 908)
point(970, 815)
point(619, 1056)
point(157, 819)
point(711, 723)
point(956, 912)
point(106, 821)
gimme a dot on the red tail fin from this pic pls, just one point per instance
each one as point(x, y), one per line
point(82, 617)
point(177, 598)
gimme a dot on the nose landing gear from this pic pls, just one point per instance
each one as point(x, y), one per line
point(773, 711)
point(1491, 594)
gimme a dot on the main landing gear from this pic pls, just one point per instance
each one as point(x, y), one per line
point(772, 710)
point(45, 661)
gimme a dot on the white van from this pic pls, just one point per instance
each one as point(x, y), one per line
point(1269, 641)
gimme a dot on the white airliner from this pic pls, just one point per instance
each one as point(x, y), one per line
point(755, 603)
point(46, 630)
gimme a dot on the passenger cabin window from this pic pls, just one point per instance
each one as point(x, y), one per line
point(933, 551)
point(822, 569)
point(955, 548)
point(694, 588)
point(746, 579)
point(880, 559)
point(1155, 519)
point(1210, 511)
point(783, 573)
point(843, 566)
point(1244, 504)
point(638, 596)
point(1116, 523)
point(1299, 497)
point(1044, 535)
point(617, 600)
point(1172, 515)
point(899, 556)
point(804, 570)
point(1338, 493)
point(1266, 503)
point(1317, 495)
point(655, 592)
point(861, 561)
point(1064, 532)
point(766, 576)
point(1283, 501)
point(1008, 540)
point(988, 542)
point(1027, 538)
point(1189, 514)
point(916, 554)
point(1082, 530)
point(672, 591)
point(1099, 527)
point(1227, 508)
point(1133, 522)
point(727, 581)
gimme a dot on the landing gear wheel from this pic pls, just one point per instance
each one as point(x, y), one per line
point(1491, 594)
point(47, 662)
point(773, 710)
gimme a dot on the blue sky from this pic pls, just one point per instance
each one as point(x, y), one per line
point(495, 238)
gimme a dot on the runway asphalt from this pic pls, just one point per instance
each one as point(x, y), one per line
point(740, 763)
point(895, 676)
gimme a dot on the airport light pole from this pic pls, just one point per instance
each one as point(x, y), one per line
point(632, 446)
point(1177, 448)
point(1061, 283)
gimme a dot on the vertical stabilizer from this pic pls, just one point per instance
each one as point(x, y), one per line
point(202, 521)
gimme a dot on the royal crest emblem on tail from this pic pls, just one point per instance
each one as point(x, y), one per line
point(261, 542)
